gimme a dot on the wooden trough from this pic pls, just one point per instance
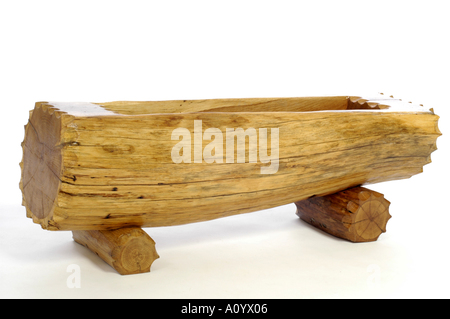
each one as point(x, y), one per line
point(103, 170)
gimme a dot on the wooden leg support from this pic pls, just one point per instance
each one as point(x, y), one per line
point(128, 250)
point(357, 214)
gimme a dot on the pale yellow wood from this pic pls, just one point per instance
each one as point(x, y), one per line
point(109, 165)
point(295, 104)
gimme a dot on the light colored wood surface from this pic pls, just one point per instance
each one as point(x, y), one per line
point(294, 104)
point(108, 165)
point(357, 214)
point(128, 250)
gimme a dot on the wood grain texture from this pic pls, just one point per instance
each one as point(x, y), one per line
point(128, 250)
point(357, 214)
point(108, 165)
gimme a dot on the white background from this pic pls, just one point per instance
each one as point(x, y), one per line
point(97, 51)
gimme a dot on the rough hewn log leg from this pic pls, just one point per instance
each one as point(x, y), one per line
point(128, 250)
point(357, 214)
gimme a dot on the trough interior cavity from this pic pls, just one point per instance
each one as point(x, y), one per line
point(295, 104)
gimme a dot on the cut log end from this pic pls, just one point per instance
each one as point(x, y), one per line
point(128, 250)
point(356, 214)
point(41, 164)
point(371, 216)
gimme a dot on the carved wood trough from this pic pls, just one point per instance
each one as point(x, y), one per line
point(104, 170)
